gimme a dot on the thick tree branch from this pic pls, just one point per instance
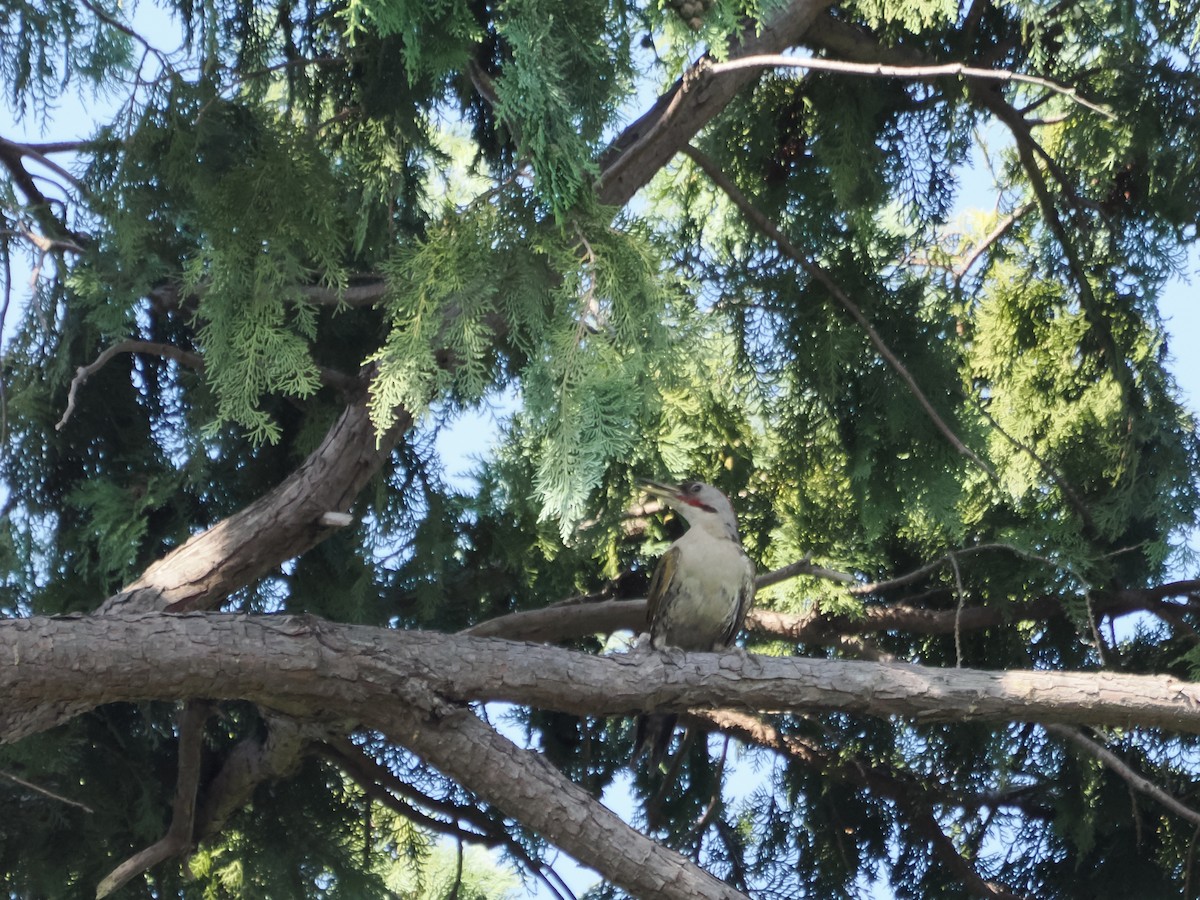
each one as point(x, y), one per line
point(560, 623)
point(281, 524)
point(653, 140)
point(311, 668)
point(525, 786)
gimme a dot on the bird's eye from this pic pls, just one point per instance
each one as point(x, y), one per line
point(694, 487)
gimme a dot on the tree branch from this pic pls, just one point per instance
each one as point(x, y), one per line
point(304, 666)
point(1120, 767)
point(382, 785)
point(526, 787)
point(252, 761)
point(281, 524)
point(883, 70)
point(179, 837)
point(45, 792)
point(595, 613)
point(692, 101)
point(818, 274)
point(167, 351)
point(912, 797)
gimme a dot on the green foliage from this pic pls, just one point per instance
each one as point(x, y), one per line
point(46, 46)
point(566, 75)
point(311, 196)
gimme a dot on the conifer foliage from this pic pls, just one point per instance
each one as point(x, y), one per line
point(901, 304)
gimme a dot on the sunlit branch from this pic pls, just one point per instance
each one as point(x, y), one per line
point(883, 70)
point(996, 234)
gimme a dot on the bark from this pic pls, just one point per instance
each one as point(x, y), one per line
point(561, 623)
point(318, 670)
point(529, 789)
point(693, 101)
point(281, 524)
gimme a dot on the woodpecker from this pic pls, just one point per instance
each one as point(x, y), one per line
point(701, 590)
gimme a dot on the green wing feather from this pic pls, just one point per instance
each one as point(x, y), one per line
point(664, 574)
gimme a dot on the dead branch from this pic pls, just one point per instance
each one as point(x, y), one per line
point(884, 70)
point(167, 351)
point(45, 792)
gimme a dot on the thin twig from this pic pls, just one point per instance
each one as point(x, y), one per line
point(958, 610)
point(1187, 866)
point(817, 273)
point(169, 351)
point(1122, 768)
point(1060, 480)
point(996, 234)
point(1091, 614)
point(882, 70)
point(30, 786)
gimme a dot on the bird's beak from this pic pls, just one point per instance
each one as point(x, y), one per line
point(658, 489)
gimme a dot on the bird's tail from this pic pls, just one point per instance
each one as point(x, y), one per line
point(653, 735)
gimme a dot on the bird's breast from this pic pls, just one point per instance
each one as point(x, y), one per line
point(701, 601)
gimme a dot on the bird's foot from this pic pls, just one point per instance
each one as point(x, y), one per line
point(640, 646)
point(673, 655)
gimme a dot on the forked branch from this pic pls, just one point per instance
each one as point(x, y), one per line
point(884, 70)
point(180, 835)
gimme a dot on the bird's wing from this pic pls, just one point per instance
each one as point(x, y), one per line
point(744, 601)
point(660, 584)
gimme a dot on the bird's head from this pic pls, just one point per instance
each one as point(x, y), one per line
point(701, 504)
